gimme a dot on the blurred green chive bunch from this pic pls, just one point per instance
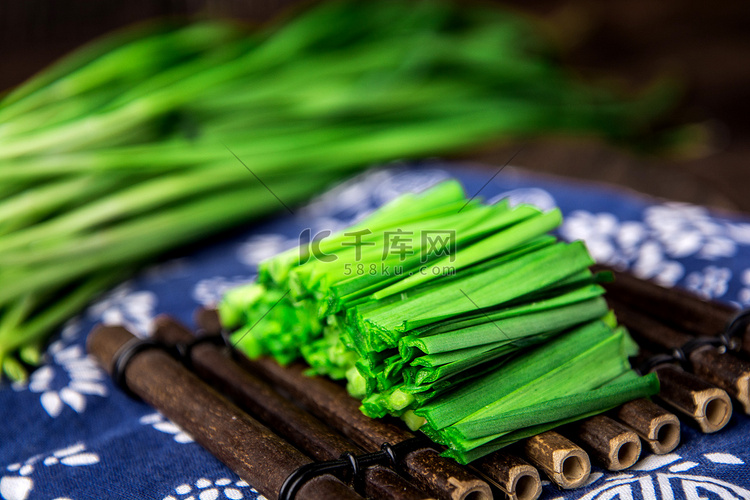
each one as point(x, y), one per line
point(134, 145)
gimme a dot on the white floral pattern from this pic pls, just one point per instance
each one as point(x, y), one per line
point(664, 477)
point(19, 483)
point(259, 248)
point(127, 307)
point(70, 380)
point(208, 292)
point(711, 282)
point(206, 489)
point(349, 196)
point(651, 248)
point(743, 297)
point(162, 424)
point(686, 230)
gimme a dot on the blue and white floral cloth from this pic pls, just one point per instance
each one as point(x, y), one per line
point(70, 434)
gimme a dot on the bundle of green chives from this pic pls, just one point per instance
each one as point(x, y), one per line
point(467, 320)
point(126, 149)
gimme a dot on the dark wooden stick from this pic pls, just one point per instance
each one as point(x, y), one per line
point(657, 427)
point(721, 368)
point(654, 333)
point(612, 444)
point(332, 404)
point(252, 394)
point(511, 474)
point(726, 371)
point(328, 401)
point(703, 403)
point(564, 462)
point(208, 320)
point(251, 450)
point(675, 306)
point(297, 426)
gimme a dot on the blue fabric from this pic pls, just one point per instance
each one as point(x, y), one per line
point(69, 433)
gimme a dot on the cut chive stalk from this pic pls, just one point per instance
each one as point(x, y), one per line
point(489, 247)
point(509, 329)
point(516, 338)
point(608, 396)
